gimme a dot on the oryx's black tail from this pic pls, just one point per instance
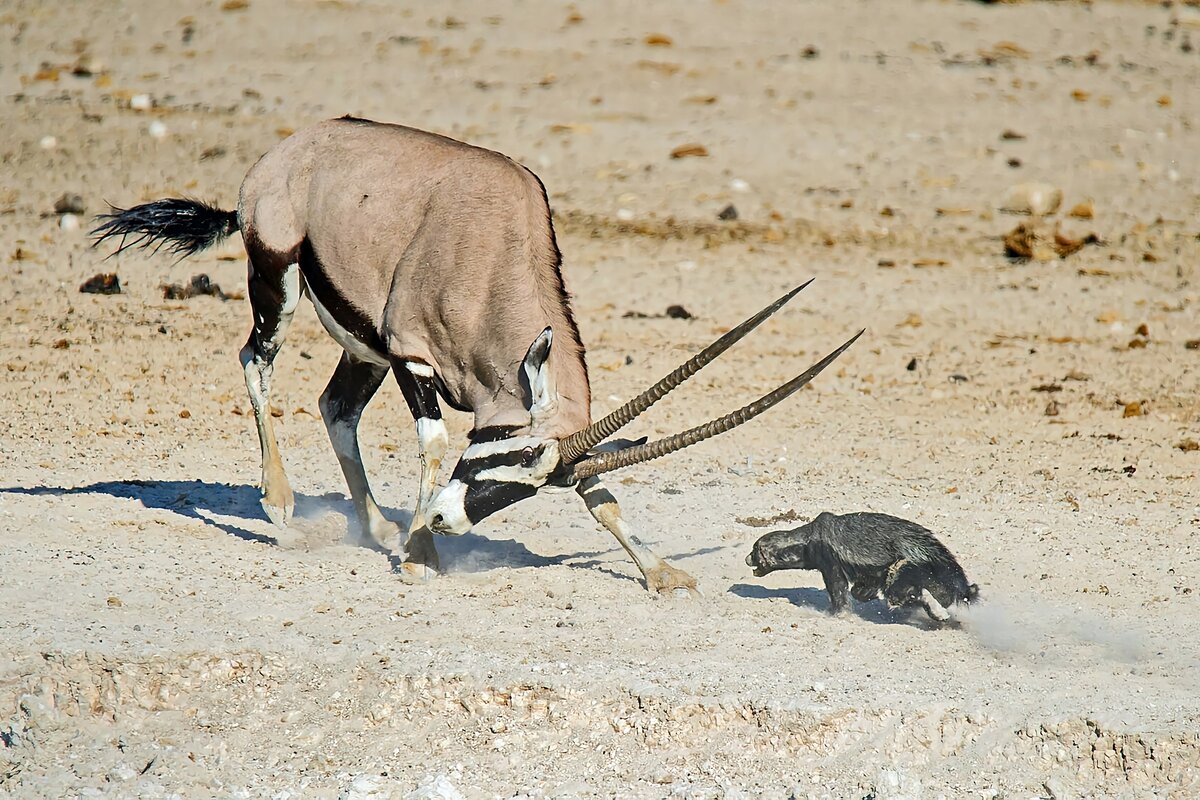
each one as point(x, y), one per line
point(183, 226)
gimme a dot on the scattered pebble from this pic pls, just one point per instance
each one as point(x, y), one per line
point(1033, 241)
point(678, 312)
point(157, 129)
point(1037, 199)
point(141, 102)
point(624, 214)
point(690, 150)
point(1084, 210)
point(101, 283)
point(48, 142)
point(739, 185)
point(69, 203)
point(69, 222)
point(728, 213)
point(199, 285)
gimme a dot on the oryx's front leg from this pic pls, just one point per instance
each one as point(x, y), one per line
point(352, 386)
point(660, 576)
point(274, 292)
point(417, 385)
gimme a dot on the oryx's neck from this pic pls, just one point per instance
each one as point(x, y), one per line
point(499, 397)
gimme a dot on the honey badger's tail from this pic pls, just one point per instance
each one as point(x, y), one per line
point(184, 226)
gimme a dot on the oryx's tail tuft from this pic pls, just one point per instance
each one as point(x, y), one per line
point(184, 226)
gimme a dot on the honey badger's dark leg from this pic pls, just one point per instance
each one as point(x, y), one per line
point(867, 587)
point(836, 582)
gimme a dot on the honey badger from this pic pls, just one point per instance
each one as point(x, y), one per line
point(878, 554)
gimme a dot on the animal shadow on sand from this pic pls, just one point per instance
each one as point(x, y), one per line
point(204, 502)
point(818, 600)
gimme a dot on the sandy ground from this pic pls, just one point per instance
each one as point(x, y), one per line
point(158, 637)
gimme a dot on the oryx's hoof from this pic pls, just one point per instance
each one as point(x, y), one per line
point(279, 510)
point(669, 581)
point(384, 536)
point(414, 573)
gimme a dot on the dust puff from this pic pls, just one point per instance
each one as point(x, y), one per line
point(1005, 625)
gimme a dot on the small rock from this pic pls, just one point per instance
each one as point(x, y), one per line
point(691, 150)
point(157, 129)
point(1084, 210)
point(69, 203)
point(1037, 199)
point(728, 213)
point(48, 142)
point(911, 366)
point(141, 102)
point(678, 312)
point(69, 222)
point(101, 283)
point(437, 787)
point(739, 185)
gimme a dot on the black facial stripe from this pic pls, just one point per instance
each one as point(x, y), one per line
point(487, 497)
point(492, 433)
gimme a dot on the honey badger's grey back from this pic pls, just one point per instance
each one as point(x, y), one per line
point(869, 539)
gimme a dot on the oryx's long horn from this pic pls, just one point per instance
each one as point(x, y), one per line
point(574, 446)
point(606, 462)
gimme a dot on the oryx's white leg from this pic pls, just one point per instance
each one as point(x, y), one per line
point(660, 576)
point(274, 292)
point(352, 386)
point(417, 384)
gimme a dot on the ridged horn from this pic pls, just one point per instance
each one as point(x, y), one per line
point(577, 444)
point(607, 462)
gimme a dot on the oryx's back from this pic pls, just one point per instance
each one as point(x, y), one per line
point(421, 245)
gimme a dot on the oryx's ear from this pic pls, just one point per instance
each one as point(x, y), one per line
point(543, 394)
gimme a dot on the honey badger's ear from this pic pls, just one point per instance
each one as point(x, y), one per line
point(972, 592)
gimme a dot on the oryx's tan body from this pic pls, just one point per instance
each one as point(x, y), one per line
point(443, 249)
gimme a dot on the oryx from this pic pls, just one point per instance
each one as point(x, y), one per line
point(437, 260)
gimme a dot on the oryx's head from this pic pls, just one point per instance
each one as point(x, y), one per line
point(504, 465)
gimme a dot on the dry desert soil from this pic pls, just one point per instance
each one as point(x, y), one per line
point(160, 638)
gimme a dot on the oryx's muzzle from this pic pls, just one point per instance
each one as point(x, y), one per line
point(574, 449)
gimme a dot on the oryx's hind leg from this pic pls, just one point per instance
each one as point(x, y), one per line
point(660, 576)
point(417, 384)
point(273, 287)
point(352, 386)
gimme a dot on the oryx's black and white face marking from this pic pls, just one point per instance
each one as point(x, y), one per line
point(492, 475)
point(501, 466)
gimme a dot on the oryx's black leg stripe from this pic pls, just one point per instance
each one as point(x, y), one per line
point(419, 388)
point(352, 386)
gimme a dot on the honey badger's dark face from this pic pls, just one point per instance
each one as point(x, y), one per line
point(779, 550)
